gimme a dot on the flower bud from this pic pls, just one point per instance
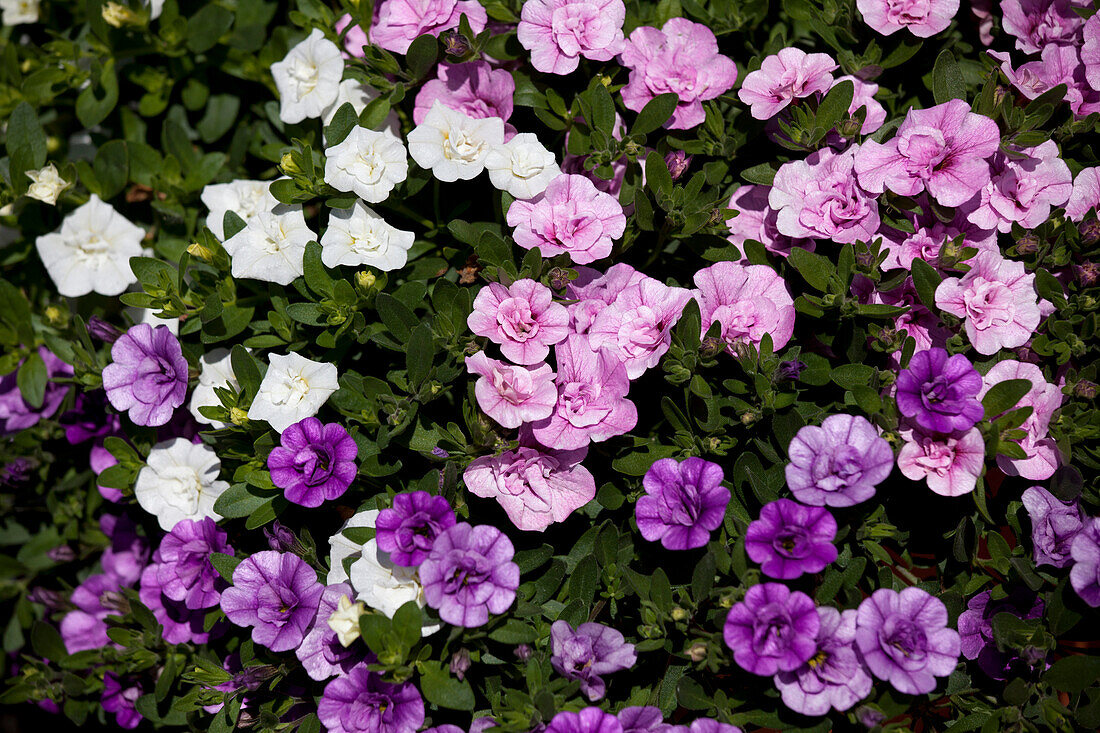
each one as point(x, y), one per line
point(55, 316)
point(200, 252)
point(345, 620)
point(678, 614)
point(365, 279)
point(46, 184)
point(711, 346)
point(678, 162)
point(281, 538)
point(849, 127)
point(115, 601)
point(460, 663)
point(999, 94)
point(119, 15)
point(698, 651)
point(1090, 231)
point(748, 418)
point(238, 416)
point(100, 329)
point(789, 370)
point(1088, 273)
point(454, 43)
point(287, 164)
point(523, 652)
point(1027, 244)
point(558, 278)
point(869, 717)
point(61, 553)
point(1085, 389)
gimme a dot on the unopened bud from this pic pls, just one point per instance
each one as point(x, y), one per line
point(678, 162)
point(849, 127)
point(711, 346)
point(605, 80)
point(1090, 231)
point(1085, 389)
point(237, 416)
point(365, 279)
point(698, 651)
point(460, 663)
point(281, 538)
point(558, 278)
point(115, 601)
point(119, 15)
point(1027, 244)
point(789, 370)
point(55, 316)
point(678, 614)
point(287, 164)
point(100, 329)
point(999, 94)
point(61, 553)
point(633, 149)
point(1088, 273)
point(344, 621)
point(748, 418)
point(523, 652)
point(200, 252)
point(454, 43)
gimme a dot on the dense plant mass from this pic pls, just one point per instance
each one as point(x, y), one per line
point(580, 366)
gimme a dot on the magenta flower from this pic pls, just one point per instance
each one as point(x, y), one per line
point(927, 239)
point(834, 677)
point(940, 392)
point(819, 198)
point(756, 220)
point(942, 149)
point(1023, 191)
point(684, 502)
point(839, 463)
point(121, 700)
point(710, 725)
point(469, 574)
point(1054, 524)
point(559, 32)
point(473, 88)
point(397, 23)
point(904, 639)
point(922, 18)
point(1040, 24)
point(1086, 194)
point(772, 630)
point(408, 529)
point(790, 539)
point(522, 317)
point(16, 414)
point(591, 404)
point(182, 625)
point(362, 702)
point(184, 571)
point(997, 300)
point(1044, 398)
point(147, 376)
point(645, 719)
point(512, 395)
point(748, 301)
point(784, 77)
point(681, 58)
point(949, 464)
point(315, 462)
point(594, 291)
point(570, 217)
point(588, 652)
point(1084, 575)
point(637, 326)
point(275, 593)
point(321, 653)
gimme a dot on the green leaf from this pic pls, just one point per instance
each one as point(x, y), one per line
point(763, 174)
point(1004, 396)
point(926, 280)
point(225, 564)
point(112, 168)
point(97, 100)
point(657, 176)
point(421, 55)
point(342, 123)
point(247, 372)
point(47, 642)
point(26, 137)
point(221, 115)
point(419, 354)
point(656, 112)
point(205, 27)
point(834, 107)
point(515, 632)
point(603, 110)
point(816, 270)
point(239, 500)
point(1073, 674)
point(441, 689)
point(32, 379)
point(947, 78)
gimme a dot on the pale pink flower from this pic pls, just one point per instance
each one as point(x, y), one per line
point(355, 41)
point(748, 300)
point(949, 464)
point(864, 96)
point(559, 32)
point(509, 394)
point(756, 220)
point(1038, 24)
point(570, 217)
point(1090, 51)
point(473, 88)
point(1086, 194)
point(593, 291)
point(1044, 398)
point(784, 77)
point(637, 326)
point(397, 23)
point(522, 317)
point(819, 198)
point(1022, 191)
point(1057, 65)
point(922, 18)
point(928, 239)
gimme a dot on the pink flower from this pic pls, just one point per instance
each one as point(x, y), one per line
point(559, 32)
point(1037, 24)
point(748, 300)
point(1090, 52)
point(1044, 398)
point(1086, 194)
point(923, 18)
point(637, 326)
point(950, 464)
point(1022, 191)
point(942, 149)
point(473, 88)
point(355, 41)
point(681, 58)
point(397, 23)
point(927, 241)
point(997, 300)
point(919, 322)
point(572, 217)
point(512, 395)
point(592, 404)
point(756, 220)
point(522, 318)
point(864, 96)
point(594, 291)
point(820, 198)
point(784, 77)
point(575, 164)
point(1057, 65)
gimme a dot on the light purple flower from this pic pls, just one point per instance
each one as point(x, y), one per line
point(942, 149)
point(469, 574)
point(940, 392)
point(85, 627)
point(570, 217)
point(904, 639)
point(362, 702)
point(588, 720)
point(1022, 191)
point(588, 652)
point(976, 630)
point(1057, 65)
point(949, 464)
point(710, 725)
point(1040, 24)
point(681, 58)
point(1084, 575)
point(397, 23)
point(147, 376)
point(644, 719)
point(314, 463)
point(408, 529)
point(790, 539)
point(181, 625)
point(1054, 524)
point(522, 317)
point(637, 326)
point(784, 77)
point(922, 18)
point(839, 463)
point(15, 413)
point(473, 88)
point(559, 32)
point(927, 240)
point(772, 630)
point(819, 198)
point(594, 291)
point(1090, 51)
point(1044, 398)
point(512, 395)
point(275, 593)
point(684, 502)
point(1086, 194)
point(834, 677)
point(864, 97)
point(321, 653)
point(120, 700)
point(748, 301)
point(756, 220)
point(184, 571)
point(126, 556)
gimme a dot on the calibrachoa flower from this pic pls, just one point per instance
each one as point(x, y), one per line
point(15, 413)
point(397, 23)
point(644, 719)
point(275, 593)
point(272, 245)
point(367, 163)
point(756, 220)
point(184, 571)
point(247, 199)
point(383, 585)
point(474, 88)
point(834, 677)
point(748, 301)
point(784, 77)
point(342, 551)
point(522, 166)
point(976, 630)
point(321, 652)
point(940, 392)
point(215, 370)
point(308, 77)
point(293, 389)
point(1057, 65)
point(1039, 24)
point(684, 502)
point(790, 539)
point(179, 481)
point(147, 376)
point(1022, 190)
point(820, 198)
point(453, 145)
point(1044, 398)
point(587, 720)
point(512, 395)
point(17, 12)
point(1090, 51)
point(710, 725)
point(904, 639)
point(85, 627)
point(839, 463)
point(637, 326)
point(46, 184)
point(559, 32)
point(315, 462)
point(359, 236)
point(469, 574)
point(91, 251)
point(1084, 575)
point(407, 530)
point(588, 652)
point(772, 630)
point(864, 97)
point(570, 217)
point(922, 18)
point(522, 317)
point(950, 464)
point(1054, 524)
point(120, 700)
point(362, 702)
point(1086, 192)
point(181, 625)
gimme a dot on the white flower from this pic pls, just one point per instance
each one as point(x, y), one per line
point(308, 78)
point(359, 236)
point(452, 145)
point(180, 481)
point(246, 199)
point(14, 12)
point(345, 620)
point(91, 251)
point(46, 184)
point(384, 585)
point(368, 162)
point(522, 166)
point(272, 246)
point(360, 95)
point(340, 547)
point(293, 389)
point(217, 371)
point(155, 8)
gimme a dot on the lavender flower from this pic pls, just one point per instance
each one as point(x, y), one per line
point(588, 720)
point(1054, 524)
point(275, 593)
point(773, 629)
point(184, 571)
point(839, 463)
point(147, 376)
point(321, 653)
point(469, 574)
point(976, 630)
point(644, 719)
point(15, 413)
point(684, 502)
point(315, 463)
point(710, 725)
point(120, 700)
point(940, 392)
point(85, 627)
point(361, 702)
point(1084, 576)
point(587, 652)
point(181, 624)
point(833, 677)
point(408, 530)
point(790, 539)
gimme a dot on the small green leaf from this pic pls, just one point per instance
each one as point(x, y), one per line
point(225, 564)
point(1004, 396)
point(656, 112)
point(32, 379)
point(947, 78)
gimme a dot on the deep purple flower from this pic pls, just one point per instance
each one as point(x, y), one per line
point(684, 502)
point(587, 652)
point(904, 639)
point(15, 413)
point(839, 463)
point(361, 702)
point(976, 630)
point(321, 653)
point(790, 539)
point(182, 625)
point(940, 392)
point(469, 574)
point(644, 719)
point(833, 677)
point(120, 700)
point(17, 472)
point(185, 572)
point(315, 463)
point(275, 593)
point(89, 418)
point(408, 530)
point(773, 629)
point(1084, 576)
point(588, 720)
point(1054, 524)
point(147, 376)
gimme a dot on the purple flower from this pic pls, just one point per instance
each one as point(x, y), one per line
point(790, 539)
point(1057, 65)
point(644, 719)
point(89, 418)
point(1022, 190)
point(820, 198)
point(321, 653)
point(637, 326)
point(181, 624)
point(184, 571)
point(120, 700)
point(362, 702)
point(784, 77)
point(408, 530)
point(15, 413)
point(315, 463)
point(1042, 454)
point(710, 725)
point(589, 651)
point(1040, 24)
point(588, 720)
point(275, 593)
point(1054, 524)
point(904, 639)
point(756, 220)
point(864, 96)
point(773, 629)
point(85, 627)
point(839, 463)
point(473, 88)
point(976, 630)
point(922, 18)
point(940, 392)
point(949, 463)
point(1084, 576)
point(469, 574)
point(559, 32)
point(1090, 51)
point(594, 291)
point(684, 502)
point(570, 217)
point(834, 677)
point(748, 301)
point(128, 552)
point(1086, 191)
point(147, 376)
point(512, 395)
point(521, 317)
